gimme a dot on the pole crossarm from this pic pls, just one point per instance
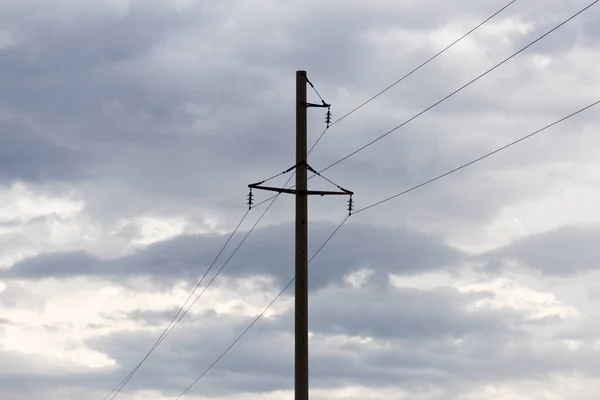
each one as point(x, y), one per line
point(295, 191)
point(342, 191)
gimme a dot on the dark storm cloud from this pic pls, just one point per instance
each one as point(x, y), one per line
point(269, 251)
point(563, 252)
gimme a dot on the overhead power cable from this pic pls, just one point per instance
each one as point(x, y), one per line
point(439, 53)
point(262, 313)
point(448, 96)
point(117, 389)
point(491, 153)
point(462, 87)
point(421, 113)
point(182, 313)
point(190, 386)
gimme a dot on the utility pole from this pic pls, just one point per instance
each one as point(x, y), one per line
point(301, 300)
point(301, 194)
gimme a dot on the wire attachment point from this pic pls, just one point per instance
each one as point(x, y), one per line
point(250, 199)
point(328, 116)
point(350, 206)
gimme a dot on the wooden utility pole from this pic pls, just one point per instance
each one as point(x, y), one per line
point(301, 193)
point(301, 320)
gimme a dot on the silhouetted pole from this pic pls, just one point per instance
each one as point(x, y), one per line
point(301, 193)
point(301, 298)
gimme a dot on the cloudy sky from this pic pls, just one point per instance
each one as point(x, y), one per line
point(130, 129)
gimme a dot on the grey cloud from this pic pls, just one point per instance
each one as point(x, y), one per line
point(583, 31)
point(66, 77)
point(269, 251)
point(27, 156)
point(386, 313)
point(177, 112)
point(58, 265)
point(562, 252)
point(421, 348)
point(146, 146)
point(418, 331)
point(391, 313)
point(22, 375)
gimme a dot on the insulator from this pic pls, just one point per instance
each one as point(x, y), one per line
point(350, 205)
point(250, 199)
point(328, 117)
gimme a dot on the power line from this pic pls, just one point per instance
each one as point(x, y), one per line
point(462, 87)
point(443, 99)
point(413, 71)
point(477, 159)
point(372, 206)
point(259, 316)
point(416, 116)
point(231, 256)
point(181, 313)
point(117, 389)
point(175, 321)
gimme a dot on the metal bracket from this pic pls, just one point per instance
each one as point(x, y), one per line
point(258, 185)
point(323, 105)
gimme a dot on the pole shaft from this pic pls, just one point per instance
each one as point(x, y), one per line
point(301, 285)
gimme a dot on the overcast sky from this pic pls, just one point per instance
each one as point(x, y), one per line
point(130, 129)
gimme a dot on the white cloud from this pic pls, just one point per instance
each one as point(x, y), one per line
point(510, 293)
point(21, 203)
